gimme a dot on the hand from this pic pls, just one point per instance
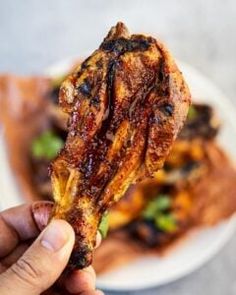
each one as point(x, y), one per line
point(28, 268)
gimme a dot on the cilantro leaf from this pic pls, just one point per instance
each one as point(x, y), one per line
point(166, 223)
point(46, 145)
point(192, 113)
point(157, 211)
point(160, 203)
point(104, 225)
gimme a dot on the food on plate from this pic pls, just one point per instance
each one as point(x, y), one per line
point(185, 164)
point(191, 190)
point(195, 187)
point(22, 101)
point(126, 104)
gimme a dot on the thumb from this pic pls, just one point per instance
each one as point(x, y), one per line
point(42, 263)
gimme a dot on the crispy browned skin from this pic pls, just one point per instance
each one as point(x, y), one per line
point(126, 102)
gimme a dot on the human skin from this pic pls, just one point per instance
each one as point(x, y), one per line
point(33, 254)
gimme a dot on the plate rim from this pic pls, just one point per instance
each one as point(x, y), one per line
point(227, 233)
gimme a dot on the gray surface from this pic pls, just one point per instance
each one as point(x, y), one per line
point(35, 34)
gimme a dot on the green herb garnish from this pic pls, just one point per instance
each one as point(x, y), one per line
point(166, 222)
point(46, 145)
point(157, 211)
point(160, 203)
point(192, 113)
point(104, 225)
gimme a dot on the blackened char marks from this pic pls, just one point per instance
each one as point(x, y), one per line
point(167, 109)
point(162, 82)
point(85, 88)
point(79, 259)
point(95, 101)
point(110, 99)
point(97, 150)
point(85, 63)
point(96, 153)
point(118, 46)
point(122, 45)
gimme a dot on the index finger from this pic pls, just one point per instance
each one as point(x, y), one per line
point(22, 223)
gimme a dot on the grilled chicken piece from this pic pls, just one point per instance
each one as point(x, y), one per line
point(126, 103)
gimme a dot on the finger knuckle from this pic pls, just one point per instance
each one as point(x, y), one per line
point(26, 271)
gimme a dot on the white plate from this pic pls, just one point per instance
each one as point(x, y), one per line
point(198, 247)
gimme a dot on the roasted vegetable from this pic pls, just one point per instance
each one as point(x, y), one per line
point(201, 122)
point(127, 103)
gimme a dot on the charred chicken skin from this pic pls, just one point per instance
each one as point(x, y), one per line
point(126, 103)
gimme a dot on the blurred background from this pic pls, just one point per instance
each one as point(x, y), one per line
point(36, 34)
